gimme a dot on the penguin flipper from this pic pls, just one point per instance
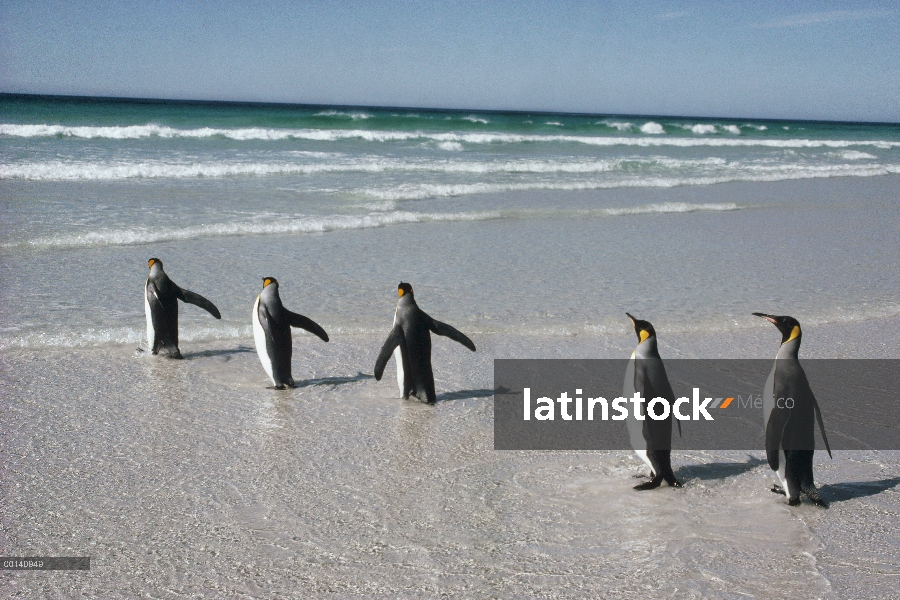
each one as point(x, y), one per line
point(306, 323)
point(778, 420)
point(822, 427)
point(266, 321)
point(452, 333)
point(394, 339)
point(198, 300)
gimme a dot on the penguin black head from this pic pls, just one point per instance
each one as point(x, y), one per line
point(267, 281)
point(643, 329)
point(788, 326)
point(154, 261)
point(404, 289)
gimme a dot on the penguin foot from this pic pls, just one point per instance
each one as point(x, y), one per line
point(280, 387)
point(815, 498)
point(793, 501)
point(777, 489)
point(675, 483)
point(819, 502)
point(649, 485)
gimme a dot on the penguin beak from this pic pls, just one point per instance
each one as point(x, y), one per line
point(630, 317)
point(768, 318)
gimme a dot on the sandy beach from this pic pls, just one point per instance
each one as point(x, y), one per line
point(531, 234)
point(339, 487)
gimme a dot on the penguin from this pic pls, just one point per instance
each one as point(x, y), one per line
point(789, 414)
point(161, 297)
point(272, 324)
point(651, 439)
point(410, 343)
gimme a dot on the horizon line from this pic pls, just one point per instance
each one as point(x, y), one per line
point(249, 103)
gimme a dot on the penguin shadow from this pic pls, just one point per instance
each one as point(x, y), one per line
point(841, 492)
point(464, 394)
point(360, 376)
point(718, 470)
point(241, 349)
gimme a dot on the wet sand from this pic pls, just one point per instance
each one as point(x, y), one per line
point(193, 479)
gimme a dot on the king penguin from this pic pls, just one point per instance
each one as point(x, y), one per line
point(651, 439)
point(789, 414)
point(161, 297)
point(410, 343)
point(272, 324)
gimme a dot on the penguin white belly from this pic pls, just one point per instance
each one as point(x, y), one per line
point(635, 427)
point(259, 339)
point(151, 332)
point(768, 407)
point(398, 360)
point(780, 471)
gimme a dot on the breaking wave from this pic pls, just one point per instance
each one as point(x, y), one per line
point(620, 172)
point(329, 135)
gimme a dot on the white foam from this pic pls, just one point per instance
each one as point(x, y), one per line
point(224, 331)
point(761, 173)
point(732, 129)
point(854, 155)
point(59, 170)
point(450, 146)
point(330, 135)
point(336, 113)
point(119, 335)
point(670, 207)
point(554, 123)
point(269, 224)
point(621, 126)
point(475, 119)
point(652, 128)
point(283, 225)
point(702, 128)
point(619, 172)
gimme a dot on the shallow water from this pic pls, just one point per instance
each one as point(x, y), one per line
point(565, 273)
point(193, 478)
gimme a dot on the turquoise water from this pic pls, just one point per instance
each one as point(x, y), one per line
point(541, 223)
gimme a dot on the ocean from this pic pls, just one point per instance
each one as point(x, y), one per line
point(532, 233)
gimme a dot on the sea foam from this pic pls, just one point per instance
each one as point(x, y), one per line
point(333, 135)
point(652, 128)
point(283, 224)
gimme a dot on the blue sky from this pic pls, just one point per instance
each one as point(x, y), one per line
point(838, 61)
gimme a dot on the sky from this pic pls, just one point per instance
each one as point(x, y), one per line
point(791, 60)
